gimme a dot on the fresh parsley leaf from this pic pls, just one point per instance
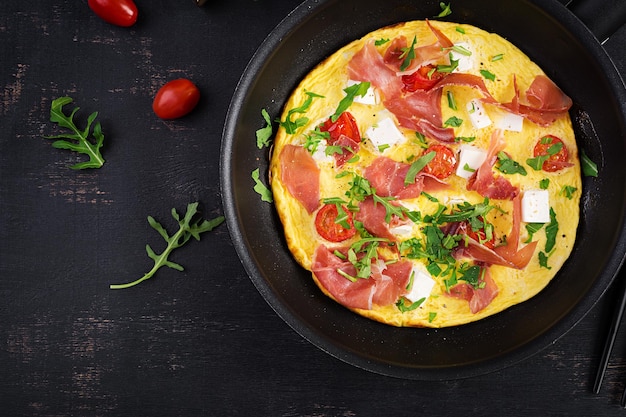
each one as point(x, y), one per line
point(590, 169)
point(260, 188)
point(264, 134)
point(354, 90)
point(188, 226)
point(446, 10)
point(78, 140)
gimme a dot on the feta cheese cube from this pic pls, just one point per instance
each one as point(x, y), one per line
point(370, 98)
point(422, 285)
point(470, 159)
point(536, 206)
point(384, 134)
point(466, 62)
point(510, 121)
point(477, 114)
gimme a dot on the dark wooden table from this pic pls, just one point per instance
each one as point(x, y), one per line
point(202, 342)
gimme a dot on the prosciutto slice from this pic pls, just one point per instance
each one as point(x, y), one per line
point(484, 182)
point(478, 298)
point(383, 287)
point(387, 177)
point(301, 176)
point(508, 255)
point(372, 215)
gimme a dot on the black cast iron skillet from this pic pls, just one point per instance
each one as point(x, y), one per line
point(569, 53)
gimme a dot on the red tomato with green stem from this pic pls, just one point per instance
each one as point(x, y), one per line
point(443, 164)
point(117, 12)
point(329, 228)
point(175, 99)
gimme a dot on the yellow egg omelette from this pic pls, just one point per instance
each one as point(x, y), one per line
point(427, 175)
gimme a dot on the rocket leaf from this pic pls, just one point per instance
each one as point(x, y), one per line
point(78, 140)
point(189, 227)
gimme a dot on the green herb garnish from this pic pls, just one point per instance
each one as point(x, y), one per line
point(260, 188)
point(404, 307)
point(264, 134)
point(508, 166)
point(408, 55)
point(446, 10)
point(568, 191)
point(417, 166)
point(453, 122)
point(188, 227)
point(79, 140)
point(354, 90)
point(292, 125)
point(551, 230)
point(488, 75)
point(590, 169)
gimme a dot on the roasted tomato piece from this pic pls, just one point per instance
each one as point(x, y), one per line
point(424, 78)
point(117, 12)
point(555, 150)
point(344, 125)
point(327, 226)
point(444, 162)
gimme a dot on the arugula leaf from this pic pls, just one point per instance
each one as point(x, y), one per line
point(408, 55)
point(453, 122)
point(404, 307)
point(488, 75)
point(292, 125)
point(568, 191)
point(551, 230)
point(446, 10)
point(79, 140)
point(260, 188)
point(417, 166)
point(508, 166)
point(188, 227)
point(590, 169)
point(354, 90)
point(263, 135)
point(532, 228)
point(381, 41)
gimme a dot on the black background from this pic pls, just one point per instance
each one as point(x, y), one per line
point(202, 342)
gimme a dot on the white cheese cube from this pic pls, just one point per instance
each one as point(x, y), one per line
point(477, 114)
point(384, 134)
point(370, 98)
point(403, 230)
point(470, 159)
point(536, 206)
point(466, 62)
point(510, 121)
point(320, 153)
point(422, 285)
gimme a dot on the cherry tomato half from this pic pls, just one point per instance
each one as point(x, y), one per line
point(424, 78)
point(553, 146)
point(344, 125)
point(443, 164)
point(117, 12)
point(175, 99)
point(326, 226)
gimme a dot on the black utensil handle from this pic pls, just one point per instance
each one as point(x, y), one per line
point(603, 18)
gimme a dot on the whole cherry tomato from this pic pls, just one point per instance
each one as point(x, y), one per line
point(424, 78)
point(442, 165)
point(117, 12)
point(327, 226)
point(344, 125)
point(175, 99)
point(556, 153)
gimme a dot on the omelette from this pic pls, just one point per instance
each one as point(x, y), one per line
point(427, 175)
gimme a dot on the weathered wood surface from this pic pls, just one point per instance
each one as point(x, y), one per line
point(201, 342)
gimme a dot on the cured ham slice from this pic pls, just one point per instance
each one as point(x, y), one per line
point(372, 215)
point(484, 182)
point(478, 298)
point(383, 287)
point(301, 176)
point(348, 148)
point(508, 255)
point(387, 177)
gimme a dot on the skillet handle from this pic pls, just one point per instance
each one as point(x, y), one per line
point(603, 18)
